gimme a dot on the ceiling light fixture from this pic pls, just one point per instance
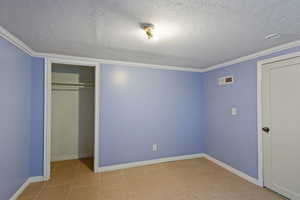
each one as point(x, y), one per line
point(148, 28)
point(273, 36)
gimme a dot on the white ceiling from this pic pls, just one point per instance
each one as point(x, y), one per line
point(191, 33)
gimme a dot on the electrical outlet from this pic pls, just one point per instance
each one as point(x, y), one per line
point(154, 147)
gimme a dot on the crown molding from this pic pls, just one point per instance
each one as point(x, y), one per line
point(115, 62)
point(15, 41)
point(21, 45)
point(255, 55)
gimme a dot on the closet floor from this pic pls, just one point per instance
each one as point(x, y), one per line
point(179, 180)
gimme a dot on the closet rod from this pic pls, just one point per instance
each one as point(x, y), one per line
point(72, 84)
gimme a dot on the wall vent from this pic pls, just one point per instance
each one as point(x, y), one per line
point(226, 80)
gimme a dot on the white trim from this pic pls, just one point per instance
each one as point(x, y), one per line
point(259, 107)
point(47, 109)
point(35, 179)
point(259, 125)
point(255, 55)
point(47, 117)
point(15, 41)
point(147, 162)
point(233, 170)
point(279, 58)
point(20, 190)
point(97, 117)
point(25, 184)
point(118, 62)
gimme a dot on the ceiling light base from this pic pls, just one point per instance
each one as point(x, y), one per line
point(148, 28)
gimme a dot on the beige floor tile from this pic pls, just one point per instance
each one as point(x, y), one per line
point(114, 194)
point(26, 197)
point(134, 172)
point(157, 192)
point(196, 179)
point(61, 179)
point(84, 193)
point(51, 193)
point(84, 180)
point(33, 189)
point(113, 180)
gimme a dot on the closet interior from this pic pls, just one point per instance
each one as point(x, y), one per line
point(73, 112)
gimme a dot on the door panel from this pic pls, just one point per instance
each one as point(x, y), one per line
point(281, 113)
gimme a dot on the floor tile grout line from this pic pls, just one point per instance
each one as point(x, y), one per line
point(45, 186)
point(73, 182)
point(69, 192)
point(38, 193)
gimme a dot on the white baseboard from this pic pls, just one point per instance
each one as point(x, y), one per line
point(32, 179)
point(35, 179)
point(233, 170)
point(147, 162)
point(20, 190)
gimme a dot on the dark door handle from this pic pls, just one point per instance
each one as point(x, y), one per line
point(266, 129)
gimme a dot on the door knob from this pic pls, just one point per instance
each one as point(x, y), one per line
point(266, 129)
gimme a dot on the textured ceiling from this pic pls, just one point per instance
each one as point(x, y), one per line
point(191, 33)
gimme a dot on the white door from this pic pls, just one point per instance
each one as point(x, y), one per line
point(281, 114)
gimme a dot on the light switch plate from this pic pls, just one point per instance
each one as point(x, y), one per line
point(233, 111)
point(154, 147)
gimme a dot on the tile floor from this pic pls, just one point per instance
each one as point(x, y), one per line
point(196, 179)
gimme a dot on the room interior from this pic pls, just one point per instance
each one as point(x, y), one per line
point(126, 100)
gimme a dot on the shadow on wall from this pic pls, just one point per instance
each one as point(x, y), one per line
point(86, 114)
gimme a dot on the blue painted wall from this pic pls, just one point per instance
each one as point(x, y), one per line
point(15, 107)
point(233, 139)
point(37, 117)
point(141, 107)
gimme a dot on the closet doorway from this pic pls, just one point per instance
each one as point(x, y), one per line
point(71, 113)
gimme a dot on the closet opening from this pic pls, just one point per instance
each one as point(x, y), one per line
point(71, 118)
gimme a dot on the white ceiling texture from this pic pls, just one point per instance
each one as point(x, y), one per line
point(190, 33)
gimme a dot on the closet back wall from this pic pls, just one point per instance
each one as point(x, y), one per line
point(142, 106)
